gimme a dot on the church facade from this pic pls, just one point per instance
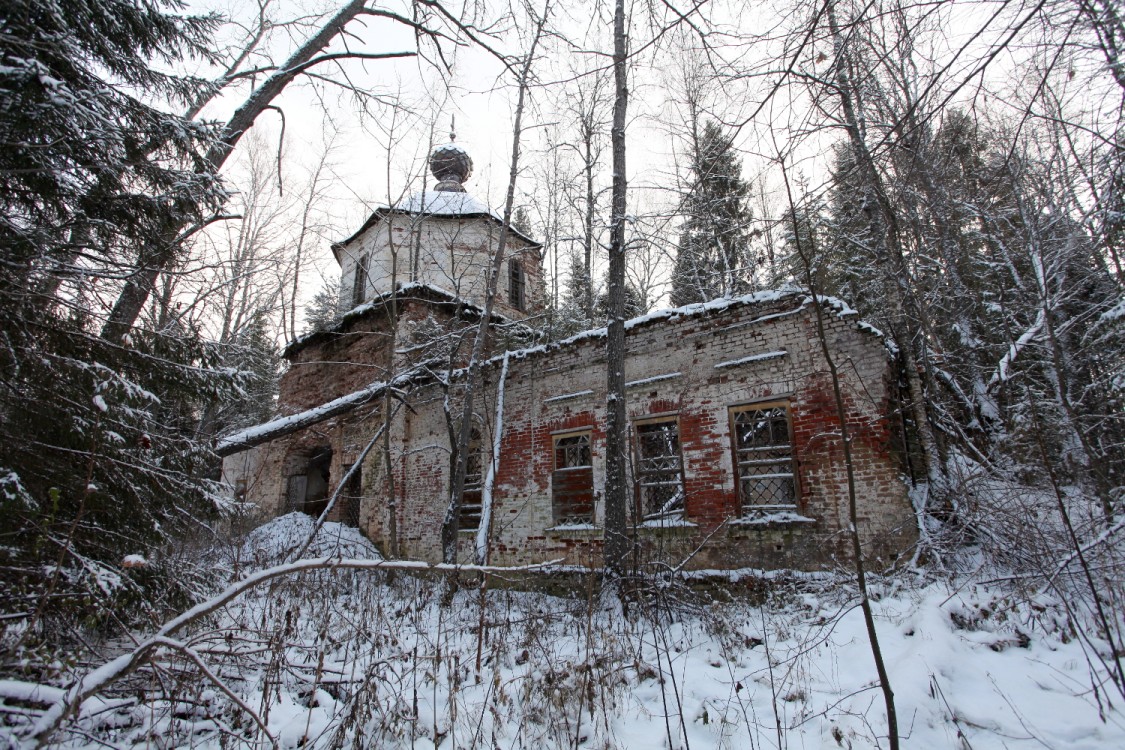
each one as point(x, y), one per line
point(735, 455)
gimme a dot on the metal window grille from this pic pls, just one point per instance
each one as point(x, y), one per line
point(659, 470)
point(763, 454)
point(469, 518)
point(352, 497)
point(572, 483)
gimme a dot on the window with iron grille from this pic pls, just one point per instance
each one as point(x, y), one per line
point(572, 481)
point(359, 283)
point(659, 470)
point(516, 284)
point(469, 518)
point(763, 455)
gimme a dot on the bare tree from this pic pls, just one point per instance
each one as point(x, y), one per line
point(309, 54)
point(849, 465)
point(617, 543)
point(587, 105)
point(523, 75)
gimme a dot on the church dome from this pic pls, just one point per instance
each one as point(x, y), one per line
point(452, 166)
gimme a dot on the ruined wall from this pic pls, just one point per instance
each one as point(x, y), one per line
point(263, 472)
point(335, 364)
point(693, 369)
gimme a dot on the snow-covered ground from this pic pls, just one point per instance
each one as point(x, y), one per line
point(373, 659)
point(275, 542)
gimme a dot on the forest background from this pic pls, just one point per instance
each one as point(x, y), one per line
point(171, 179)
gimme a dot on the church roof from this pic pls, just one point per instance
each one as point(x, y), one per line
point(379, 305)
point(798, 298)
point(438, 204)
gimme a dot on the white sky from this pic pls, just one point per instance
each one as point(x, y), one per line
point(480, 95)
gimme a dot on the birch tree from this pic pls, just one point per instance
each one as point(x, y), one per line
point(617, 542)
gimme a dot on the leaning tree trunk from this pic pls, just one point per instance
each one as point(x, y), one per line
point(162, 250)
point(904, 310)
point(849, 464)
point(480, 342)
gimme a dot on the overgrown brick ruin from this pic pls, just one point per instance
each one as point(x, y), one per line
point(735, 458)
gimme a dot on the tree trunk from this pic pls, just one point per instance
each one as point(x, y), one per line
point(616, 442)
point(155, 257)
point(588, 227)
point(889, 256)
point(480, 343)
point(849, 464)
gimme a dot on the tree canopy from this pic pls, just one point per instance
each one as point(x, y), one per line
point(713, 256)
point(96, 440)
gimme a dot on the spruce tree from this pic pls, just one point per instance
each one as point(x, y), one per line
point(253, 355)
point(713, 258)
point(90, 169)
point(574, 311)
point(98, 450)
point(323, 311)
point(520, 222)
point(634, 304)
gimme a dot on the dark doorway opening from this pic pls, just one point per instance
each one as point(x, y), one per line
point(308, 487)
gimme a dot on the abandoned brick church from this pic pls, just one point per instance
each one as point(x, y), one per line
point(735, 457)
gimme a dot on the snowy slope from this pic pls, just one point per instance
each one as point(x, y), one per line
point(273, 542)
point(380, 662)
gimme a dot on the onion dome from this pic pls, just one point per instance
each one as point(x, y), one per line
point(452, 166)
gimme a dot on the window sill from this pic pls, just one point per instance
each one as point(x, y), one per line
point(665, 523)
point(575, 529)
point(771, 518)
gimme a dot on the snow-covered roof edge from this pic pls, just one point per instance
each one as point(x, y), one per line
point(346, 402)
point(842, 310)
point(249, 437)
point(436, 204)
point(378, 303)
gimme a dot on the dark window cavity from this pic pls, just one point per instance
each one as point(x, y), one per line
point(572, 481)
point(517, 285)
point(763, 455)
point(307, 488)
point(359, 283)
point(469, 519)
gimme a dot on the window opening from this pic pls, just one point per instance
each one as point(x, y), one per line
point(659, 470)
point(572, 482)
point(517, 283)
point(359, 284)
point(469, 518)
point(352, 496)
point(763, 455)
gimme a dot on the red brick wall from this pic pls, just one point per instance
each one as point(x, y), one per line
point(699, 397)
point(563, 389)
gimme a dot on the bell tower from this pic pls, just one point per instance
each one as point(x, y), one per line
point(442, 238)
